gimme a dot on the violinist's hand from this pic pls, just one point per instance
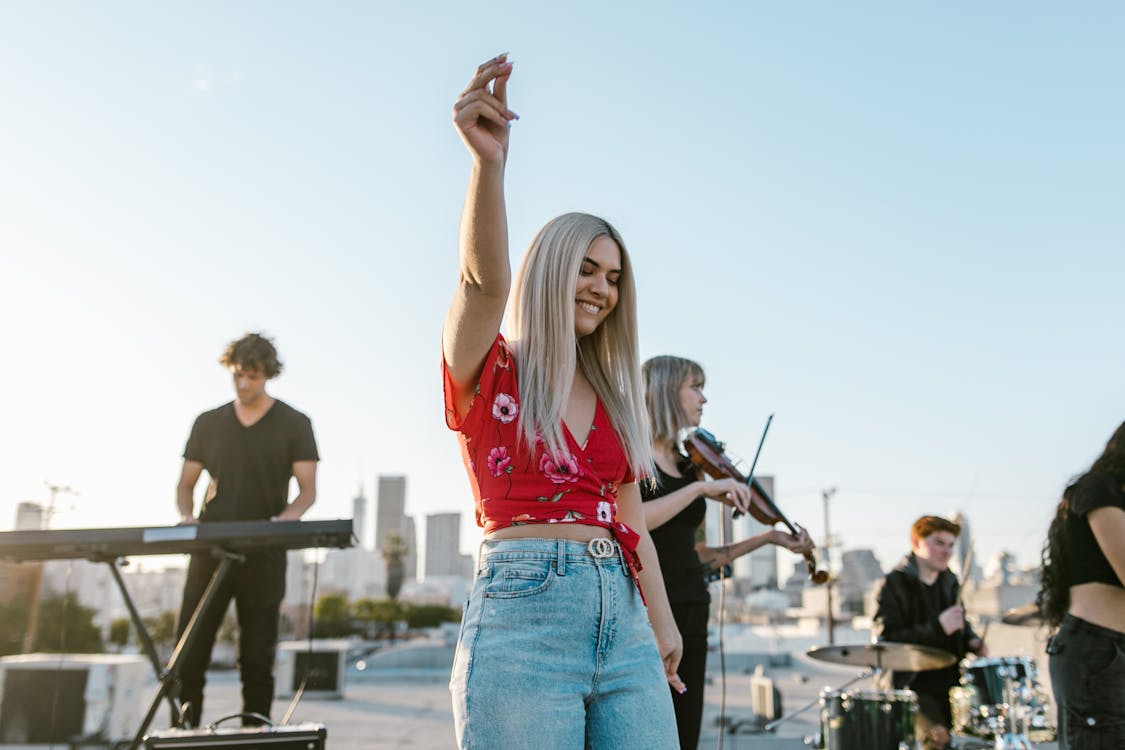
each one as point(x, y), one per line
point(481, 113)
point(728, 491)
point(801, 543)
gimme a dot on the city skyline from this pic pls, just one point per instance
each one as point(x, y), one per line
point(897, 228)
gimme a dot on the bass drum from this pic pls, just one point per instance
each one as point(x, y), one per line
point(868, 719)
point(981, 707)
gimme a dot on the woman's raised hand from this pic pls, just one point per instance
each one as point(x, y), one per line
point(729, 491)
point(481, 113)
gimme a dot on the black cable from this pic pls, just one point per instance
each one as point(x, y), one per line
point(722, 617)
point(308, 654)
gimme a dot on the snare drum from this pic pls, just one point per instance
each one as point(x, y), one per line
point(868, 719)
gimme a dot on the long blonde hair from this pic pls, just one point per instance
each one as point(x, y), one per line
point(547, 349)
point(664, 377)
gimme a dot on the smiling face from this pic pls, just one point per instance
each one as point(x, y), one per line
point(692, 399)
point(598, 277)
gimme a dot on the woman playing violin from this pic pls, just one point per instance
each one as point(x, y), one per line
point(674, 508)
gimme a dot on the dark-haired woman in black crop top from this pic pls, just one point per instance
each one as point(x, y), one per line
point(1083, 595)
point(674, 510)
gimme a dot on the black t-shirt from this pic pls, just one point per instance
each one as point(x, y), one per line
point(250, 466)
point(675, 540)
point(1086, 563)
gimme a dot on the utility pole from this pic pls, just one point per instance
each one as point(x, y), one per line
point(37, 583)
point(831, 622)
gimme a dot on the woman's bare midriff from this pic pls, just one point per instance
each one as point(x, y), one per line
point(578, 532)
point(1100, 604)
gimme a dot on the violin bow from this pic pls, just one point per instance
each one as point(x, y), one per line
point(754, 463)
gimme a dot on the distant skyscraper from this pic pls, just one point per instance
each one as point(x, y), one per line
point(391, 518)
point(390, 509)
point(411, 561)
point(963, 550)
point(29, 517)
point(760, 566)
point(359, 517)
point(443, 545)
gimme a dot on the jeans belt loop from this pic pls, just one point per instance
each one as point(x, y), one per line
point(560, 566)
point(601, 548)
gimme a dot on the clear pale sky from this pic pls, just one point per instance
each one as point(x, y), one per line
point(897, 226)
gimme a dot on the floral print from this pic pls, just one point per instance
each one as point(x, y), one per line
point(505, 408)
point(516, 480)
point(498, 461)
point(605, 512)
point(560, 467)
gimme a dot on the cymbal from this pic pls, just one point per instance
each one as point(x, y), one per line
point(904, 657)
point(1026, 615)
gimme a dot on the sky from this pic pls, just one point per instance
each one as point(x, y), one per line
point(897, 227)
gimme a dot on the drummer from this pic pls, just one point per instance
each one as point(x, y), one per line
point(919, 602)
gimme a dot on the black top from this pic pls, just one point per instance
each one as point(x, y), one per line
point(250, 466)
point(907, 612)
point(1086, 563)
point(675, 540)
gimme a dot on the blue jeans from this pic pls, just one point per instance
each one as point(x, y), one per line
point(556, 651)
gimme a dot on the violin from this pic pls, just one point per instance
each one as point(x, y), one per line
point(707, 455)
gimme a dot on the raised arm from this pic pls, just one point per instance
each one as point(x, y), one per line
point(483, 119)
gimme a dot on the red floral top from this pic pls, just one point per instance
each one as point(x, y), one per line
point(515, 485)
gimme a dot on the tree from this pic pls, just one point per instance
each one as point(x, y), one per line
point(13, 623)
point(378, 616)
point(119, 631)
point(394, 554)
point(332, 617)
point(430, 615)
point(65, 626)
point(162, 628)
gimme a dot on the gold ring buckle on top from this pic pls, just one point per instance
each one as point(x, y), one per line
point(601, 548)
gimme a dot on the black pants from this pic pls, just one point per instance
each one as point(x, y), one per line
point(1088, 678)
point(257, 587)
point(691, 620)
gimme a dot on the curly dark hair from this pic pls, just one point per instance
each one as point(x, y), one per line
point(1053, 598)
point(254, 351)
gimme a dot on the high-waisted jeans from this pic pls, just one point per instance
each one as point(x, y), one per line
point(1088, 679)
point(556, 651)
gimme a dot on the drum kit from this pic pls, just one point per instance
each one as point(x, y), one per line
point(999, 703)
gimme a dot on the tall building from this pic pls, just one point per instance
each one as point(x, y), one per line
point(390, 509)
point(29, 517)
point(443, 545)
point(391, 518)
point(410, 563)
point(963, 550)
point(756, 570)
point(359, 518)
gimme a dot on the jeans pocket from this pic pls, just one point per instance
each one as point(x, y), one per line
point(1095, 730)
point(519, 579)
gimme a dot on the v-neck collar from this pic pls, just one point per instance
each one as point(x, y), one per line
point(240, 423)
point(593, 426)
